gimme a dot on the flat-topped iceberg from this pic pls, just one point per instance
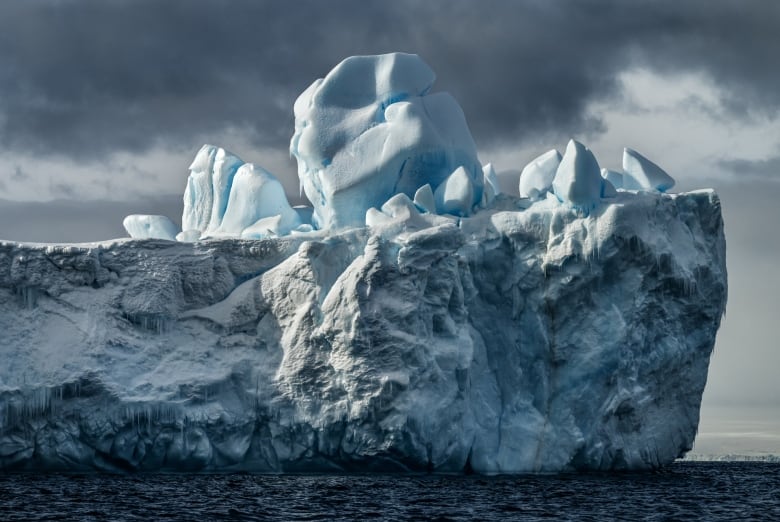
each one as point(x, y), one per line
point(413, 318)
point(511, 341)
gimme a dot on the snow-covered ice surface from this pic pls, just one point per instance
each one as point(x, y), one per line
point(511, 341)
point(414, 318)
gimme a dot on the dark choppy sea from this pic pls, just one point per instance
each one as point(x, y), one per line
point(684, 491)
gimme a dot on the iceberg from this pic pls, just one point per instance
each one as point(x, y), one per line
point(256, 194)
point(425, 199)
point(208, 187)
point(578, 180)
point(413, 318)
point(491, 186)
point(456, 194)
point(509, 341)
point(615, 178)
point(639, 173)
point(372, 129)
point(226, 197)
point(536, 178)
point(142, 226)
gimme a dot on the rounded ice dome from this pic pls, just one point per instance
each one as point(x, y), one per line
point(370, 129)
point(141, 226)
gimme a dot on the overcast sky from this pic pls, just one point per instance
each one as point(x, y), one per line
point(104, 103)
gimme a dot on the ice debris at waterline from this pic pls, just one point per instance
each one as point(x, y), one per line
point(413, 318)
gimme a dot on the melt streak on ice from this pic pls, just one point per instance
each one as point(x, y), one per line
point(414, 318)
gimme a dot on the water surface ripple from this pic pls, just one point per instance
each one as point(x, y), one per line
point(684, 491)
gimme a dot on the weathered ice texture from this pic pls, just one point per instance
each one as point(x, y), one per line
point(372, 129)
point(537, 339)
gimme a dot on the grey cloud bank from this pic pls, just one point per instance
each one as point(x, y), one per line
point(764, 169)
point(85, 79)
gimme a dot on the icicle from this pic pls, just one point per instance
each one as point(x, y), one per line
point(27, 296)
point(156, 323)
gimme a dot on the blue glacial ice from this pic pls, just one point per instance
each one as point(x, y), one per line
point(491, 187)
point(372, 129)
point(639, 173)
point(455, 195)
point(614, 177)
point(578, 180)
point(536, 178)
point(256, 196)
point(226, 197)
point(208, 188)
point(413, 318)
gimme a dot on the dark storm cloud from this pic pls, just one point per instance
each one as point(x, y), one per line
point(19, 174)
point(90, 77)
point(62, 190)
point(16, 176)
point(743, 169)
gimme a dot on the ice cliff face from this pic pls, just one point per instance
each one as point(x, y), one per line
point(521, 339)
point(413, 318)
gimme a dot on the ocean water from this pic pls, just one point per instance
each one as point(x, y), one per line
point(684, 491)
